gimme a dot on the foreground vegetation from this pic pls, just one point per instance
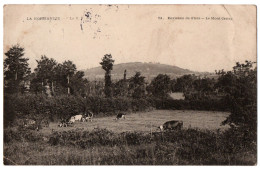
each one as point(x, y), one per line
point(103, 147)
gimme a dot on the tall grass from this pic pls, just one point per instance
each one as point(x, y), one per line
point(103, 147)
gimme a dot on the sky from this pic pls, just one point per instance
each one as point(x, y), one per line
point(134, 33)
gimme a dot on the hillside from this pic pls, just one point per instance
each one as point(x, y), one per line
point(149, 70)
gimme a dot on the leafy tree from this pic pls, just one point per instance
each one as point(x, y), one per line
point(160, 86)
point(78, 83)
point(36, 84)
point(173, 83)
point(60, 79)
point(45, 72)
point(201, 88)
point(68, 70)
point(64, 78)
point(226, 81)
point(107, 65)
point(16, 69)
point(120, 88)
point(240, 87)
point(137, 86)
point(184, 83)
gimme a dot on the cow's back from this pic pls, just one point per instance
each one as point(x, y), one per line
point(171, 124)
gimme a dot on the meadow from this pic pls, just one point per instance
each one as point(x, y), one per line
point(132, 141)
point(150, 121)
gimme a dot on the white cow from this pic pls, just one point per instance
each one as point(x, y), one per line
point(76, 118)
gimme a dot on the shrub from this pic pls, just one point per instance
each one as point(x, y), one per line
point(55, 108)
point(169, 103)
point(21, 134)
point(9, 113)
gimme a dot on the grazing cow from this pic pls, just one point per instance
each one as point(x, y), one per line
point(76, 118)
point(65, 123)
point(172, 125)
point(29, 122)
point(88, 116)
point(120, 116)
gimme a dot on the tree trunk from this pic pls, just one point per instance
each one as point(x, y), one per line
point(68, 84)
point(15, 75)
point(52, 88)
point(42, 87)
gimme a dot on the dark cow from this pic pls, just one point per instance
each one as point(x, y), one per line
point(88, 116)
point(65, 123)
point(120, 116)
point(172, 125)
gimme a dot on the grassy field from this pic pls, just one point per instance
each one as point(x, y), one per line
point(147, 121)
point(127, 142)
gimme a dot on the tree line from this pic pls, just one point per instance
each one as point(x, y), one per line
point(56, 78)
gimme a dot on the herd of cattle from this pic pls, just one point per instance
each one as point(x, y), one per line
point(88, 116)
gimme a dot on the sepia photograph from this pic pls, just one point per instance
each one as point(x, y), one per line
point(129, 84)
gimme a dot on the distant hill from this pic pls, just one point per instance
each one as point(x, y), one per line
point(149, 70)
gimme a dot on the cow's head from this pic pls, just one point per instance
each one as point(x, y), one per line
point(181, 123)
point(160, 127)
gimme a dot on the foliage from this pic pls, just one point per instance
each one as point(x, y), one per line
point(61, 78)
point(45, 69)
point(240, 87)
point(103, 147)
point(11, 135)
point(9, 113)
point(205, 85)
point(160, 86)
point(107, 65)
point(184, 83)
point(202, 104)
point(16, 69)
point(63, 106)
point(120, 88)
point(136, 87)
point(78, 83)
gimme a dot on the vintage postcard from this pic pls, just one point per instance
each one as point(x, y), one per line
point(130, 84)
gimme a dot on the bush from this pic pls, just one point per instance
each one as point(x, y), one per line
point(63, 107)
point(211, 105)
point(9, 113)
point(21, 135)
point(55, 108)
point(97, 137)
